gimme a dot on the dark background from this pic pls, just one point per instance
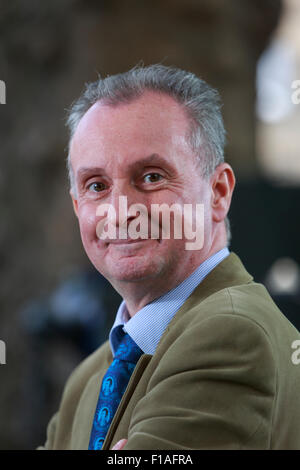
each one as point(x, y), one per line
point(54, 307)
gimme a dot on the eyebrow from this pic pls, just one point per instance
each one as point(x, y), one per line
point(86, 171)
point(153, 159)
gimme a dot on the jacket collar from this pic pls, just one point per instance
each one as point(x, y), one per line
point(229, 273)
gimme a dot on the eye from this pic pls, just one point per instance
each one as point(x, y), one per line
point(96, 187)
point(152, 178)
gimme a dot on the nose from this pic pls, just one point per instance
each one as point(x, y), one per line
point(124, 204)
point(122, 196)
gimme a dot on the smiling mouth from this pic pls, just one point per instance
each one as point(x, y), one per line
point(127, 241)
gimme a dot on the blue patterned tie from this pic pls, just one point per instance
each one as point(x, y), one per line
point(113, 386)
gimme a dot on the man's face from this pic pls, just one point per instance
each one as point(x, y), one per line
point(137, 150)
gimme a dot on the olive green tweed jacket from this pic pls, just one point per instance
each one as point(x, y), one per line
point(222, 377)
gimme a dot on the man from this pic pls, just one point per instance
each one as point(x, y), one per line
point(214, 367)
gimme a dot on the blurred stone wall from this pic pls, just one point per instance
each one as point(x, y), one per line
point(48, 50)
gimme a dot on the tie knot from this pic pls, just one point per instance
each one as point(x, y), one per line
point(128, 350)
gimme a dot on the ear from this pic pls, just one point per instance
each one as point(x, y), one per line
point(74, 201)
point(222, 184)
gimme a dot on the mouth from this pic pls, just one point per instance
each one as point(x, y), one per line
point(127, 241)
point(129, 244)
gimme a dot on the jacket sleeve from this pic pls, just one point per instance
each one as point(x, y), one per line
point(214, 388)
point(60, 428)
point(51, 428)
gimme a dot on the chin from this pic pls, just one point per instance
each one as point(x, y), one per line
point(133, 270)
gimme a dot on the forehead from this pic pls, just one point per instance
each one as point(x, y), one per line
point(150, 107)
point(148, 124)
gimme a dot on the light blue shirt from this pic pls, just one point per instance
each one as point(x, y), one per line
point(147, 326)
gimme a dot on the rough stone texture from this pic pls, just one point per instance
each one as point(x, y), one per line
point(47, 51)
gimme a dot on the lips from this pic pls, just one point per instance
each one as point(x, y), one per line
point(126, 241)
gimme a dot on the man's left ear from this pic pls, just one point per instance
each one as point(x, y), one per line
point(222, 185)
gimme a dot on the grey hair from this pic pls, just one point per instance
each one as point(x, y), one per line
point(201, 102)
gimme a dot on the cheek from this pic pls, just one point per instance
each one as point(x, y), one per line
point(87, 222)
